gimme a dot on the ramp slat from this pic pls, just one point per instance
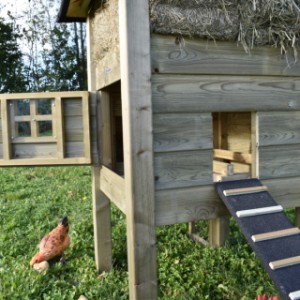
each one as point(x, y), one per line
point(259, 211)
point(275, 234)
point(294, 295)
point(247, 190)
point(281, 263)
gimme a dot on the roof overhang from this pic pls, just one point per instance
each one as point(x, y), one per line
point(73, 10)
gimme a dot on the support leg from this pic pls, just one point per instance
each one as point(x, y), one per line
point(297, 217)
point(218, 231)
point(102, 225)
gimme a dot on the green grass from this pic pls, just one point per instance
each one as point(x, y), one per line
point(32, 200)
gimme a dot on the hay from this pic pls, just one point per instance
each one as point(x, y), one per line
point(248, 22)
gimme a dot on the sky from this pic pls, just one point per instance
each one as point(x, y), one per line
point(15, 6)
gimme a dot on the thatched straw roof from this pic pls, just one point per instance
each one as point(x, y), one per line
point(249, 22)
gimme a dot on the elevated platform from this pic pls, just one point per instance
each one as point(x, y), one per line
point(268, 231)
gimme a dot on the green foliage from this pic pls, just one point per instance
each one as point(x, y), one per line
point(11, 68)
point(32, 200)
point(39, 54)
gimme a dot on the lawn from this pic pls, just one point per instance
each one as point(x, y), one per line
point(32, 200)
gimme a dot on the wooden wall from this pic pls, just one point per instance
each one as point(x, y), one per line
point(191, 79)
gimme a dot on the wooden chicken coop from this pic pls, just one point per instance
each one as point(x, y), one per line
point(171, 112)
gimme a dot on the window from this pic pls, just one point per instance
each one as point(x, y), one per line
point(44, 129)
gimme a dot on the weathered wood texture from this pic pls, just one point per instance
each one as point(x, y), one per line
point(192, 94)
point(183, 150)
point(278, 144)
point(218, 231)
point(104, 44)
point(102, 224)
point(180, 132)
point(183, 169)
point(196, 56)
point(113, 186)
point(138, 148)
point(187, 204)
point(69, 139)
point(190, 204)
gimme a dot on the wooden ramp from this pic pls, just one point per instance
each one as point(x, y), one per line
point(271, 235)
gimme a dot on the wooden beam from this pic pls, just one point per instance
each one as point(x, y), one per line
point(233, 156)
point(218, 231)
point(297, 216)
point(43, 161)
point(113, 187)
point(86, 126)
point(58, 116)
point(102, 224)
point(6, 138)
point(225, 93)
point(138, 147)
point(202, 56)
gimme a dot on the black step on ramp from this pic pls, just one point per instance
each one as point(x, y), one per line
point(268, 231)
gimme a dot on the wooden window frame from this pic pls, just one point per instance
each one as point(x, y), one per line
point(8, 120)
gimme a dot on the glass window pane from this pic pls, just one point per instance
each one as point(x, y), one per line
point(23, 129)
point(45, 128)
point(22, 107)
point(44, 107)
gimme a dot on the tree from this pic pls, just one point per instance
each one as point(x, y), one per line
point(11, 67)
point(56, 54)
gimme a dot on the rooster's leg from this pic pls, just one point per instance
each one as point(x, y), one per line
point(63, 260)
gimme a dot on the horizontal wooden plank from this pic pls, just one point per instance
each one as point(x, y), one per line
point(275, 234)
point(277, 264)
point(278, 128)
point(34, 150)
point(43, 95)
point(187, 205)
point(74, 149)
point(233, 156)
point(176, 132)
point(113, 186)
point(222, 167)
point(259, 211)
point(247, 190)
point(196, 56)
point(279, 161)
point(191, 93)
point(32, 140)
point(182, 169)
point(44, 162)
point(72, 107)
point(285, 191)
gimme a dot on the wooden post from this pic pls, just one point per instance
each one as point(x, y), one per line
point(102, 225)
point(218, 231)
point(101, 204)
point(138, 148)
point(297, 217)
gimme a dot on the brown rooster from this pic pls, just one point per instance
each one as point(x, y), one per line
point(54, 243)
